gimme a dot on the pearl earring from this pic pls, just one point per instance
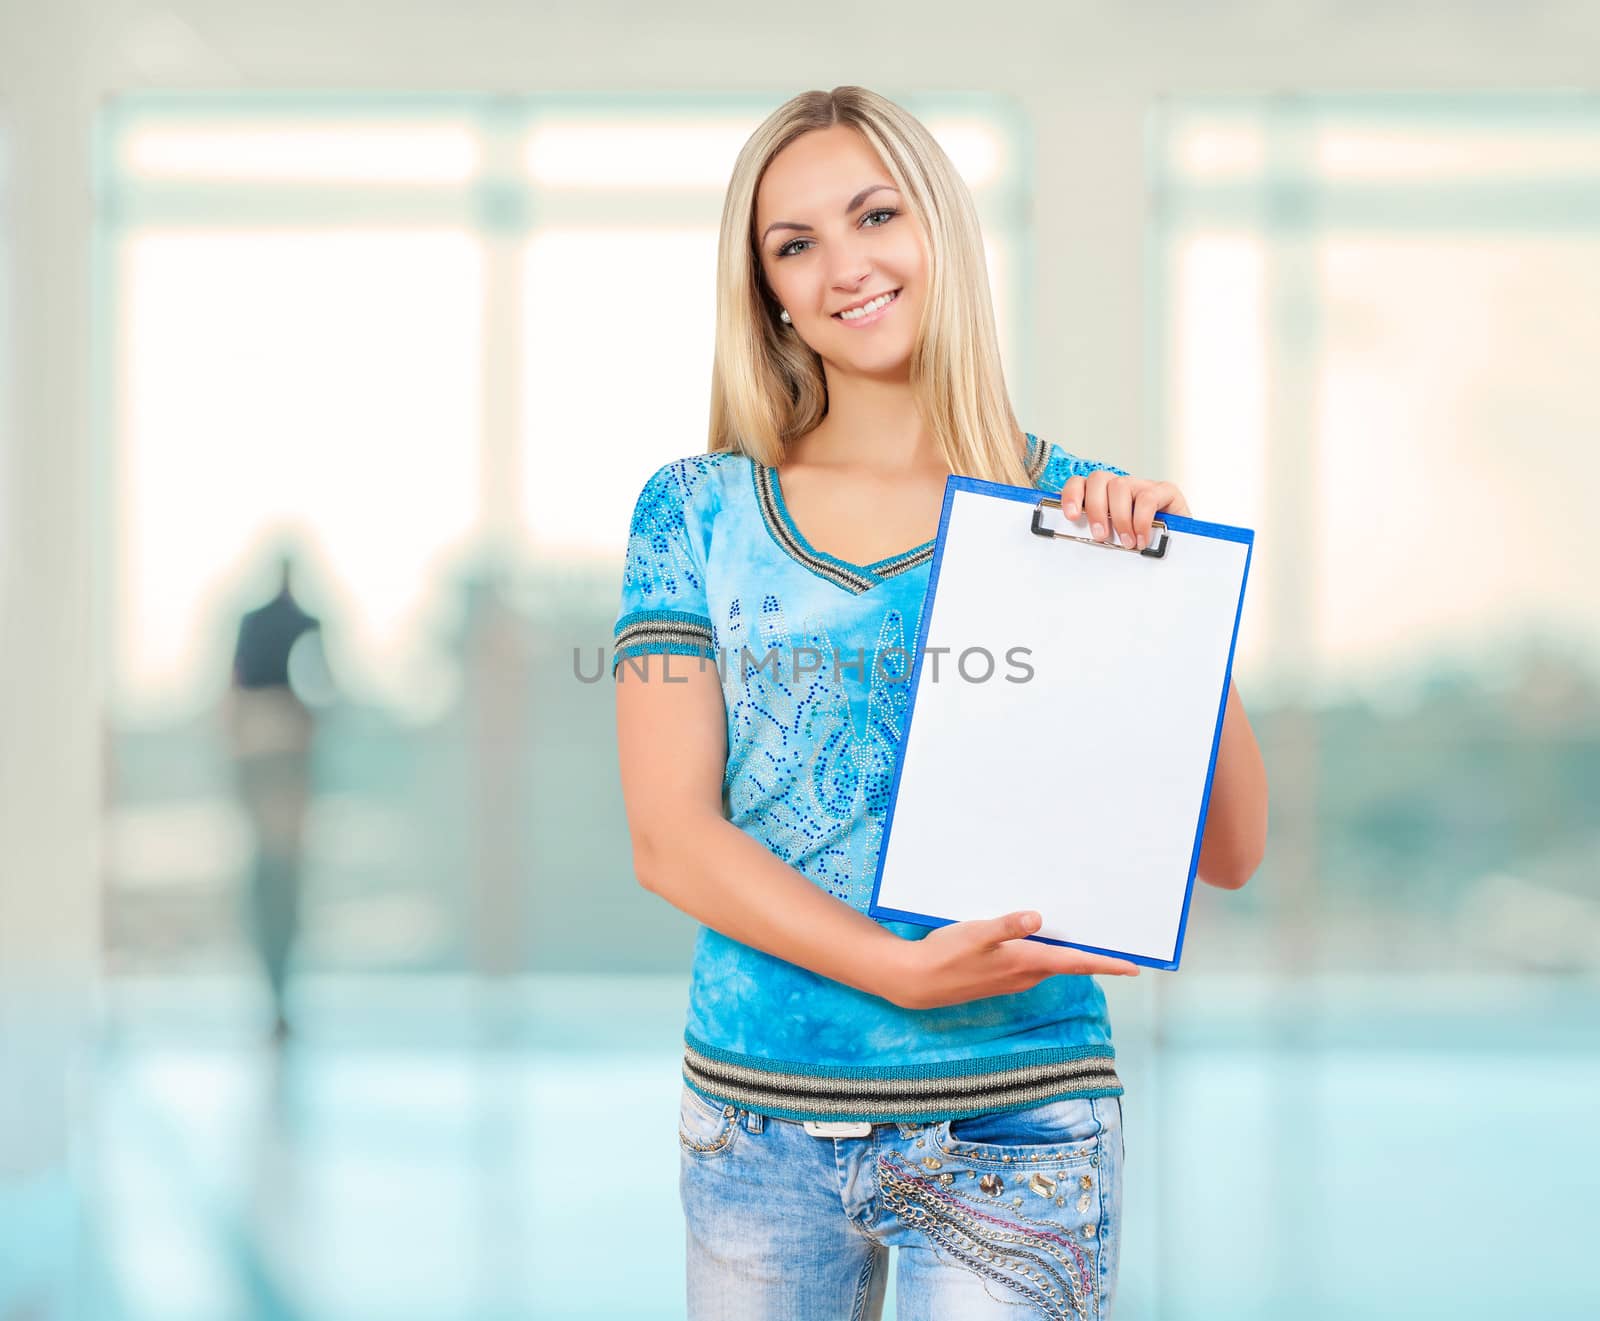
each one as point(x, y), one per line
point(784, 316)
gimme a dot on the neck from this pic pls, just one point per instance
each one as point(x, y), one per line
point(871, 423)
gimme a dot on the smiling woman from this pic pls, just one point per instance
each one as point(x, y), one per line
point(829, 1054)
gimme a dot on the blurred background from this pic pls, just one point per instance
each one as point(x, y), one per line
point(326, 990)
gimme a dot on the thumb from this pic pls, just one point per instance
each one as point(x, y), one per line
point(1013, 925)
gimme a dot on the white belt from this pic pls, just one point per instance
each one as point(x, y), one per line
point(838, 1128)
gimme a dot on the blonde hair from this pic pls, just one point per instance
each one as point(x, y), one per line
point(767, 386)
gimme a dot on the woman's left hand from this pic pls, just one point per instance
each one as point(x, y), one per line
point(1127, 504)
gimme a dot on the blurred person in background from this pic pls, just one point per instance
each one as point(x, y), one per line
point(853, 1084)
point(278, 663)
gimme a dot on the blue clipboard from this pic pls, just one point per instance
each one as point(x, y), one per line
point(955, 848)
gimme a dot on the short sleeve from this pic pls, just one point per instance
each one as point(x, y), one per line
point(1062, 467)
point(664, 609)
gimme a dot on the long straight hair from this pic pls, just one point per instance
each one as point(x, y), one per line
point(768, 387)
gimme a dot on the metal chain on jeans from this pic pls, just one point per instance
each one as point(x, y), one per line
point(944, 1216)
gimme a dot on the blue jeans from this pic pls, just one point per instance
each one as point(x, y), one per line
point(1009, 1214)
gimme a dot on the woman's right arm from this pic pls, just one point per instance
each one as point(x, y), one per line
point(672, 749)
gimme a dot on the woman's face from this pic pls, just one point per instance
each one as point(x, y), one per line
point(834, 233)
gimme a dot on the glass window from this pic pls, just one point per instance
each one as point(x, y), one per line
point(403, 332)
point(1373, 349)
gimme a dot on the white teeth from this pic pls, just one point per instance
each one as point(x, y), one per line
point(882, 301)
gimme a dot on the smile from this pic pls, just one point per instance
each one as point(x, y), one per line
point(869, 312)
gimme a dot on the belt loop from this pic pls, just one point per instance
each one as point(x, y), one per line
point(753, 1121)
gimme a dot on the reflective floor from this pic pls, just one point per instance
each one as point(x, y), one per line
point(427, 1151)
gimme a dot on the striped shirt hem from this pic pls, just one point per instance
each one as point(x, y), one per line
point(662, 632)
point(905, 1093)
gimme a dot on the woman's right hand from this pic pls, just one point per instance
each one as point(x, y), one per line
point(964, 961)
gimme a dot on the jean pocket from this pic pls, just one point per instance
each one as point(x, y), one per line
point(1065, 1131)
point(705, 1127)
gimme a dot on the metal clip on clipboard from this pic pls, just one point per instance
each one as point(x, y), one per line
point(1155, 550)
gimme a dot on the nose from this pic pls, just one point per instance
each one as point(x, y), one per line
point(850, 267)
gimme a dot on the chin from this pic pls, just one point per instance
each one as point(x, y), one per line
point(886, 368)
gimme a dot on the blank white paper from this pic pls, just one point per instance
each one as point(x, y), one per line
point(1078, 791)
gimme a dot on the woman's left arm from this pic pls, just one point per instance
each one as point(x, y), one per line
point(1235, 837)
point(1236, 820)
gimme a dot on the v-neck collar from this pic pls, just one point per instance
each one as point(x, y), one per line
point(855, 578)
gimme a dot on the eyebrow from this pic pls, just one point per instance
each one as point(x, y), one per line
point(850, 206)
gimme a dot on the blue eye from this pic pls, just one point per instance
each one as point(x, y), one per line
point(887, 212)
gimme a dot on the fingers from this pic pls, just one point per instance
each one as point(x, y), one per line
point(1119, 508)
point(1072, 497)
point(1125, 506)
point(1079, 961)
point(1100, 966)
point(1086, 494)
point(1048, 959)
point(1095, 503)
point(1145, 507)
point(1154, 498)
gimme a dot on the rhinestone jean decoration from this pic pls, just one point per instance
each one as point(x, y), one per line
point(1007, 1214)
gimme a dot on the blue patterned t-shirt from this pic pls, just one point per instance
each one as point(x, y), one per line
point(815, 693)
